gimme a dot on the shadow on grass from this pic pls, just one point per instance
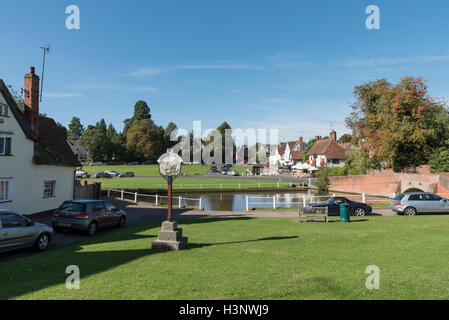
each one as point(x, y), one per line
point(44, 270)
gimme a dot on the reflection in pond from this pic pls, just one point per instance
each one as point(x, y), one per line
point(229, 201)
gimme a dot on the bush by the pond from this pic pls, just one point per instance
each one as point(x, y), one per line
point(337, 171)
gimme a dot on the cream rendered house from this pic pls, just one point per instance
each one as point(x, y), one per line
point(36, 164)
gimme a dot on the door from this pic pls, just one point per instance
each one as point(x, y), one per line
point(15, 232)
point(436, 203)
point(334, 207)
point(113, 213)
point(417, 201)
point(101, 214)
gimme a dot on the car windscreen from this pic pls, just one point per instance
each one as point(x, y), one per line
point(399, 197)
point(73, 206)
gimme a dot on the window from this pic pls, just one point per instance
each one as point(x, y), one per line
point(5, 190)
point(49, 189)
point(110, 206)
point(5, 146)
point(415, 197)
point(11, 220)
point(3, 110)
point(98, 206)
point(431, 197)
point(73, 207)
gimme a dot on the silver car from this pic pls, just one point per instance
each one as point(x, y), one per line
point(413, 203)
point(87, 215)
point(18, 232)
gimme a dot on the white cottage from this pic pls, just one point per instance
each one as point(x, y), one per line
point(37, 167)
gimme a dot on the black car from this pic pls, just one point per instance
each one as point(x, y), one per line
point(102, 175)
point(354, 208)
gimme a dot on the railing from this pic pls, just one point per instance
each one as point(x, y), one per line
point(182, 186)
point(302, 200)
point(158, 199)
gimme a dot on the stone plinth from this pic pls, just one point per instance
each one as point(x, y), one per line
point(169, 238)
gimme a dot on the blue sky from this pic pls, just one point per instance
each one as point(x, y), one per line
point(290, 65)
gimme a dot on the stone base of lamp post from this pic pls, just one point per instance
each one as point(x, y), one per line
point(169, 238)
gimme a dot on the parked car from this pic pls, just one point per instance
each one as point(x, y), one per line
point(126, 175)
point(149, 162)
point(213, 169)
point(18, 232)
point(102, 175)
point(87, 216)
point(133, 163)
point(82, 174)
point(354, 208)
point(413, 203)
point(112, 173)
point(98, 163)
point(224, 171)
point(233, 173)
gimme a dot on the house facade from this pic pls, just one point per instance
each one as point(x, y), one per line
point(328, 152)
point(288, 153)
point(36, 164)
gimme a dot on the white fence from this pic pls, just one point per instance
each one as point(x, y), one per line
point(302, 200)
point(158, 199)
point(188, 186)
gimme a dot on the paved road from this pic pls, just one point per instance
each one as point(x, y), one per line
point(142, 213)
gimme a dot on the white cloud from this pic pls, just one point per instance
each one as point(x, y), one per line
point(354, 63)
point(145, 72)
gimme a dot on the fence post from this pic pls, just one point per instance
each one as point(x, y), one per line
point(135, 197)
point(156, 199)
point(274, 201)
point(333, 195)
point(121, 196)
point(179, 202)
point(181, 185)
point(221, 185)
point(303, 200)
point(109, 193)
point(259, 184)
point(201, 186)
point(246, 201)
point(201, 204)
point(279, 185)
point(290, 184)
point(363, 197)
point(239, 185)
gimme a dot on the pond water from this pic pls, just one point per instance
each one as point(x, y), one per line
point(229, 201)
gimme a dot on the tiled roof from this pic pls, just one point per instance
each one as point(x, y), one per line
point(52, 146)
point(297, 155)
point(330, 148)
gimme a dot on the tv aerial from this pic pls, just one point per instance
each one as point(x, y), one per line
point(46, 50)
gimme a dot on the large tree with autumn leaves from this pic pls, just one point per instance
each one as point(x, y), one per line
point(398, 125)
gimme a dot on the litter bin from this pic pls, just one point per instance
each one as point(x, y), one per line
point(344, 216)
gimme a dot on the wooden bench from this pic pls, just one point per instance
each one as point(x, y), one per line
point(313, 212)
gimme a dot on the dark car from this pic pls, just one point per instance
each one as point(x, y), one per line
point(87, 215)
point(354, 208)
point(102, 175)
point(126, 175)
point(213, 169)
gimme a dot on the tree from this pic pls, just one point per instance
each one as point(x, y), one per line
point(145, 140)
point(357, 163)
point(397, 125)
point(322, 182)
point(310, 144)
point(439, 161)
point(96, 142)
point(18, 98)
point(76, 129)
point(141, 112)
point(171, 127)
point(345, 138)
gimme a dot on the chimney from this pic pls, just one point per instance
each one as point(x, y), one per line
point(334, 135)
point(32, 100)
point(318, 138)
point(301, 143)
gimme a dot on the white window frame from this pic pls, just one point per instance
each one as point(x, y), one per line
point(2, 152)
point(4, 110)
point(47, 192)
point(5, 182)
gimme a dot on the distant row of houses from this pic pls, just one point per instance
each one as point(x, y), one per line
point(324, 151)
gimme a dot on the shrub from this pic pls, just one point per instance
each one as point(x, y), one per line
point(439, 160)
point(322, 182)
point(337, 171)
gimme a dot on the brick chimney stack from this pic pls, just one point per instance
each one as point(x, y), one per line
point(31, 100)
point(334, 135)
point(301, 143)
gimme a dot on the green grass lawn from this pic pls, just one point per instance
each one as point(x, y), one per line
point(152, 169)
point(185, 183)
point(247, 258)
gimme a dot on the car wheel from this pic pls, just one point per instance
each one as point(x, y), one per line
point(122, 221)
point(42, 242)
point(92, 228)
point(359, 212)
point(410, 211)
